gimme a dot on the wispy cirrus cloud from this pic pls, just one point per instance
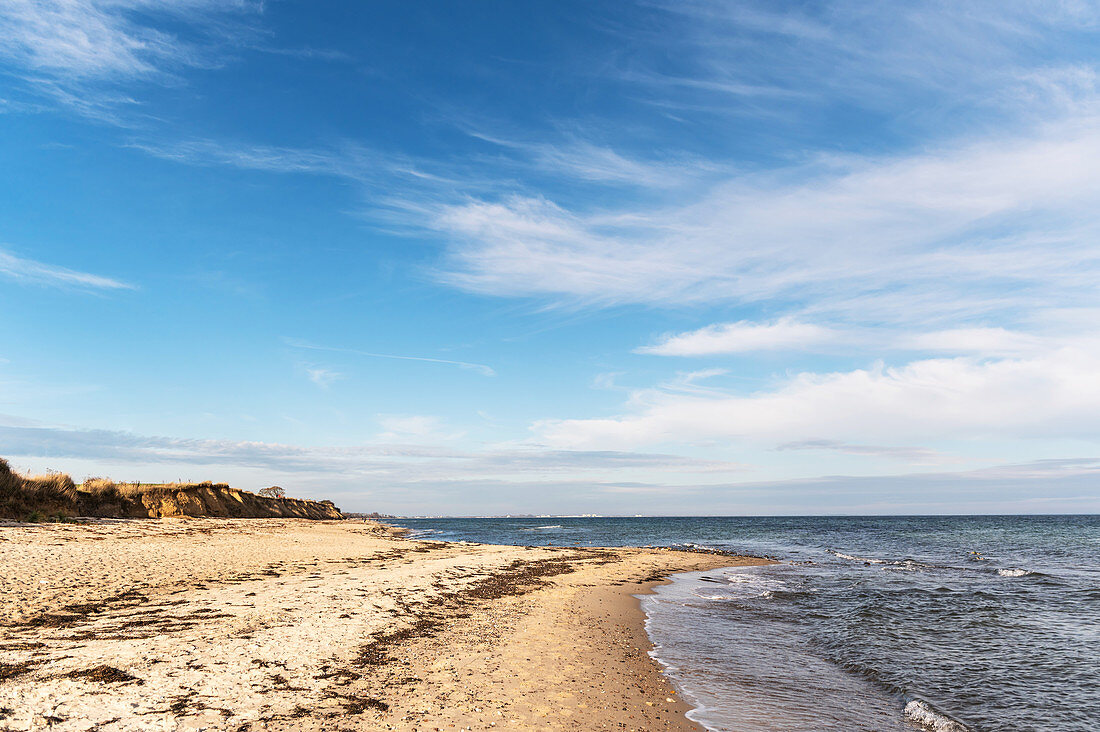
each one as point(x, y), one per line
point(742, 336)
point(386, 459)
point(909, 454)
point(480, 368)
point(958, 222)
point(323, 377)
point(419, 428)
point(351, 161)
point(957, 225)
point(32, 272)
point(875, 58)
point(575, 157)
point(82, 53)
point(990, 341)
point(398, 190)
point(790, 334)
point(943, 235)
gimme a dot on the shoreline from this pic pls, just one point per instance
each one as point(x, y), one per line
point(280, 624)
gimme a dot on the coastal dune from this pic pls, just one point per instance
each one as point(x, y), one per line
point(285, 624)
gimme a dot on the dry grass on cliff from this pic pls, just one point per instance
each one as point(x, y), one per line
point(106, 489)
point(22, 495)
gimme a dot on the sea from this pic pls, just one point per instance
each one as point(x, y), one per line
point(936, 623)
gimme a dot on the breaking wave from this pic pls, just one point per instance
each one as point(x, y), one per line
point(1013, 572)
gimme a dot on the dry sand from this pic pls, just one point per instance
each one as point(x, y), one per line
point(283, 624)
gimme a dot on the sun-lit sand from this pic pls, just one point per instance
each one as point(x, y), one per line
point(283, 624)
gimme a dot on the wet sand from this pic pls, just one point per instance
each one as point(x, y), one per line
point(282, 624)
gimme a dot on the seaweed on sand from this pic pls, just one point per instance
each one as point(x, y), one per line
point(105, 674)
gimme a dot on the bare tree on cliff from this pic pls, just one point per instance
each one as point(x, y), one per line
point(272, 492)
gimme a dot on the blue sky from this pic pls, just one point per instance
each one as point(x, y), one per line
point(689, 257)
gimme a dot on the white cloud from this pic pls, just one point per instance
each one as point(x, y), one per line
point(606, 380)
point(688, 381)
point(30, 271)
point(409, 425)
point(323, 377)
point(1050, 396)
point(986, 341)
point(742, 336)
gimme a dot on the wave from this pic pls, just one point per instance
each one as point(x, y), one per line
point(1014, 572)
point(738, 585)
point(909, 565)
point(927, 717)
point(543, 528)
point(899, 565)
point(867, 560)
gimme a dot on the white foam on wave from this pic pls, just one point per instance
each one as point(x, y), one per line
point(860, 559)
point(907, 566)
point(924, 715)
point(1013, 572)
point(902, 565)
point(738, 584)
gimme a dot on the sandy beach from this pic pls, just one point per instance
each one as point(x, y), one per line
point(286, 624)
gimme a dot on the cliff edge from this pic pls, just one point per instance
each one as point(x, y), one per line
point(56, 495)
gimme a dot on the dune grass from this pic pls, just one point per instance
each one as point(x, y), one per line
point(35, 497)
point(105, 489)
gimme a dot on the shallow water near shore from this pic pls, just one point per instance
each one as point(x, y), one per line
point(983, 623)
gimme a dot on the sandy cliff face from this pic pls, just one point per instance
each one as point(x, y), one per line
point(215, 499)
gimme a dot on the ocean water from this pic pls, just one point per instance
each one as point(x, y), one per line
point(980, 623)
